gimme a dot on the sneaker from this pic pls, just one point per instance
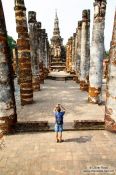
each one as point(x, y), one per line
point(57, 140)
point(61, 141)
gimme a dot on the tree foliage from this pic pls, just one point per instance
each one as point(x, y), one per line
point(106, 54)
point(11, 43)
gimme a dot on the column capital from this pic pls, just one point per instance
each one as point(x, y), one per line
point(31, 17)
point(99, 8)
point(19, 5)
point(79, 24)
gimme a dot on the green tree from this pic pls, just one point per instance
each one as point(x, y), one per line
point(11, 43)
point(106, 54)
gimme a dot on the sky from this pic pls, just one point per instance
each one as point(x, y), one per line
point(69, 13)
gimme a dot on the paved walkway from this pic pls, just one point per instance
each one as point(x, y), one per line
point(66, 93)
point(82, 153)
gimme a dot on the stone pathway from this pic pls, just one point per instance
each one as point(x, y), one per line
point(66, 93)
point(82, 153)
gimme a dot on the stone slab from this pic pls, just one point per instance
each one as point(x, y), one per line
point(81, 153)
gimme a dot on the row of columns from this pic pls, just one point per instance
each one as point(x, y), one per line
point(33, 52)
point(81, 51)
point(88, 66)
point(31, 63)
point(39, 50)
point(87, 62)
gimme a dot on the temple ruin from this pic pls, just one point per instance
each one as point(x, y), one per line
point(34, 58)
point(57, 50)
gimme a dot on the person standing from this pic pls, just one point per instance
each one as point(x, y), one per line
point(59, 112)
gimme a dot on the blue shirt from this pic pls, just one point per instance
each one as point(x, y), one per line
point(59, 116)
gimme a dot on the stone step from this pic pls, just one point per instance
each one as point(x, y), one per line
point(89, 124)
point(60, 78)
point(37, 126)
point(32, 126)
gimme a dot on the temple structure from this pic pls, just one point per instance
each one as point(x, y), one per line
point(58, 58)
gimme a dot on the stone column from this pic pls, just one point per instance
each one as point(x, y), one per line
point(34, 44)
point(39, 52)
point(41, 58)
point(69, 55)
point(8, 116)
point(110, 109)
point(85, 51)
point(46, 71)
point(73, 52)
point(48, 51)
point(24, 56)
point(97, 52)
point(48, 55)
point(76, 44)
point(79, 51)
point(15, 61)
point(43, 39)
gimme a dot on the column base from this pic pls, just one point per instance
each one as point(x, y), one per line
point(110, 124)
point(84, 86)
point(77, 80)
point(36, 83)
point(7, 124)
point(74, 78)
point(94, 95)
point(26, 93)
point(46, 71)
point(26, 102)
point(41, 76)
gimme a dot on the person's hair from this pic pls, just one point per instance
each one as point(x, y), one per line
point(58, 109)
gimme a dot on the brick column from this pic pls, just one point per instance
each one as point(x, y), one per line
point(73, 52)
point(46, 71)
point(34, 44)
point(8, 116)
point(15, 61)
point(39, 52)
point(48, 53)
point(110, 109)
point(46, 58)
point(85, 50)
point(25, 73)
point(69, 55)
point(43, 38)
point(97, 52)
point(76, 54)
point(79, 50)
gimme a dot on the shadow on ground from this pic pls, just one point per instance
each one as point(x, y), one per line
point(82, 139)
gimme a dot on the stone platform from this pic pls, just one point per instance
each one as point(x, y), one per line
point(68, 94)
point(60, 76)
point(44, 126)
